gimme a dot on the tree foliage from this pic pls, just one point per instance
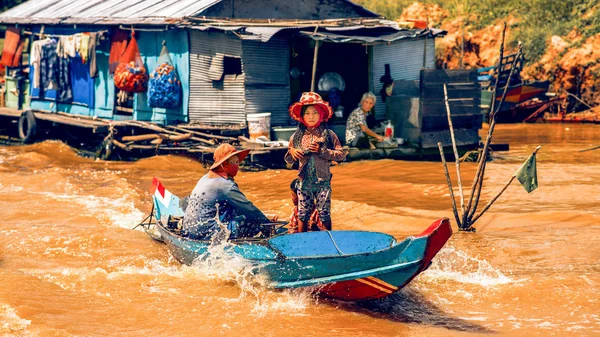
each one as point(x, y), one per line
point(7, 4)
point(538, 19)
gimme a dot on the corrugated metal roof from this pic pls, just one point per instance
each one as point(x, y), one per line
point(104, 11)
point(342, 36)
point(265, 33)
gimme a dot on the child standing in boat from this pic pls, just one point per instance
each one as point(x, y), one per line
point(314, 146)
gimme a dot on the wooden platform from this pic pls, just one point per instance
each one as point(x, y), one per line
point(404, 152)
point(131, 141)
point(8, 112)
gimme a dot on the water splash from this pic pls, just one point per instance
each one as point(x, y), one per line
point(456, 265)
point(119, 211)
point(11, 323)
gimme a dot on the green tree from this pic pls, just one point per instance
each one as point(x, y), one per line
point(6, 4)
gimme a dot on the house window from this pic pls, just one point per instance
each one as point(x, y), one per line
point(232, 65)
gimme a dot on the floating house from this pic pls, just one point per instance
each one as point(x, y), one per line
point(236, 59)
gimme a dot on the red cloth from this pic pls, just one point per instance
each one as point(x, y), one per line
point(322, 115)
point(118, 45)
point(314, 224)
point(13, 47)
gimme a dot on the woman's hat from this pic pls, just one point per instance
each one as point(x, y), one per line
point(226, 151)
point(311, 98)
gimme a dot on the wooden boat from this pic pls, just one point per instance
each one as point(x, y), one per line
point(522, 97)
point(345, 265)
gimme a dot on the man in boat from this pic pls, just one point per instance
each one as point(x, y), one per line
point(217, 203)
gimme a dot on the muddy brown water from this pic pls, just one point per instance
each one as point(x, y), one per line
point(70, 265)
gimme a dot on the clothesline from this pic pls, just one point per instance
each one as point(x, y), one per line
point(122, 27)
point(101, 32)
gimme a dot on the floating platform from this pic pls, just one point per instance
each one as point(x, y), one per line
point(130, 140)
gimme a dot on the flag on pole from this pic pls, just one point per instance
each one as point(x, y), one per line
point(527, 174)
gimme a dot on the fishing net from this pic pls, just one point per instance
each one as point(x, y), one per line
point(164, 88)
point(131, 75)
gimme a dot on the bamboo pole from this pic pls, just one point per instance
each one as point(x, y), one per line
point(175, 138)
point(491, 202)
point(591, 149)
point(314, 67)
point(198, 133)
point(479, 168)
point(488, 140)
point(140, 138)
point(121, 145)
point(449, 185)
point(498, 70)
point(456, 157)
point(163, 130)
point(493, 199)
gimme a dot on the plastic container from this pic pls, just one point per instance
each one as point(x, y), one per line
point(11, 96)
point(389, 130)
point(283, 134)
point(259, 125)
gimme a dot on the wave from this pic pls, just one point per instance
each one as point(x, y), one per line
point(12, 324)
point(458, 266)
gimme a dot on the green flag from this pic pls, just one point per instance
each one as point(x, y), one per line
point(527, 174)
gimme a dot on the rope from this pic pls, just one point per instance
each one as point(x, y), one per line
point(335, 244)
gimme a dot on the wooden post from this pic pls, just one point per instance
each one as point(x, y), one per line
point(493, 200)
point(478, 175)
point(462, 44)
point(481, 169)
point(590, 149)
point(449, 185)
point(498, 71)
point(456, 158)
point(314, 68)
point(489, 204)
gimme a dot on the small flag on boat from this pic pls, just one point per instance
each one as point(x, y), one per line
point(527, 173)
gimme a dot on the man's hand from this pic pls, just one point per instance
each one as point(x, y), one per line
point(380, 138)
point(297, 154)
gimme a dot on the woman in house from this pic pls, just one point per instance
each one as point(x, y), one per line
point(357, 131)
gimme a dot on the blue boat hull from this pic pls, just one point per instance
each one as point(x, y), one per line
point(346, 265)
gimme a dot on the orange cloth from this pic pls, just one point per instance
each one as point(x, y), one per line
point(13, 47)
point(118, 44)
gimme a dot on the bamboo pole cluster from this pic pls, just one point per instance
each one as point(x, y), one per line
point(467, 215)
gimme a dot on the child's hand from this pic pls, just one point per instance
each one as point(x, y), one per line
point(314, 147)
point(297, 154)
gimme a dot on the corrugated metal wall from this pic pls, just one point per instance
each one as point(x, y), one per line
point(266, 67)
point(405, 58)
point(215, 102)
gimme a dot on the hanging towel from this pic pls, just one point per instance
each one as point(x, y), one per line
point(34, 61)
point(118, 45)
point(82, 83)
point(13, 47)
point(93, 43)
point(69, 45)
point(84, 47)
